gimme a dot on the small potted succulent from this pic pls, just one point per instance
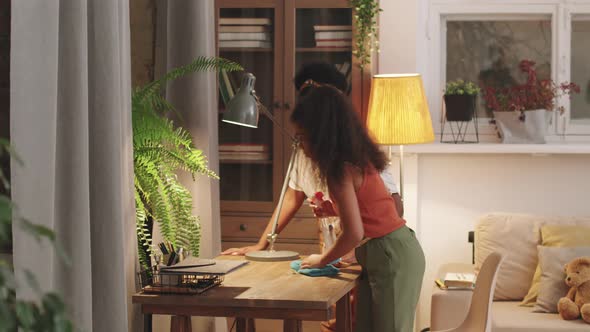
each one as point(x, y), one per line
point(460, 98)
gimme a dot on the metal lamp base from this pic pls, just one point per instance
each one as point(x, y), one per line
point(272, 256)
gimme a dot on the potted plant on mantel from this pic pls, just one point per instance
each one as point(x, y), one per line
point(460, 98)
point(522, 111)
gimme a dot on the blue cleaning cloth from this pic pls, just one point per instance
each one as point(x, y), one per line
point(326, 271)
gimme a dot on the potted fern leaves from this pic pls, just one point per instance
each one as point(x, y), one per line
point(160, 149)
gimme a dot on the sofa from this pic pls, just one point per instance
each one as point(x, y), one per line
point(517, 236)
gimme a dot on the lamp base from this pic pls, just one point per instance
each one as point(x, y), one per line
point(272, 256)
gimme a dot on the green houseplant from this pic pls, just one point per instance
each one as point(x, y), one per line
point(160, 149)
point(365, 23)
point(460, 98)
point(48, 315)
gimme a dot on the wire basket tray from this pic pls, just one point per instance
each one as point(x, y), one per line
point(152, 281)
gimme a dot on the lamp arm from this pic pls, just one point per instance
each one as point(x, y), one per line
point(273, 234)
point(269, 115)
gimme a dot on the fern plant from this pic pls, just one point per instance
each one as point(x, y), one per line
point(160, 149)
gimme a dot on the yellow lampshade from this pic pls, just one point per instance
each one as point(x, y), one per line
point(398, 111)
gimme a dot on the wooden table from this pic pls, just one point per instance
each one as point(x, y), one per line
point(268, 290)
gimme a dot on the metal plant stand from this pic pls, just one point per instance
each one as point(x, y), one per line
point(459, 130)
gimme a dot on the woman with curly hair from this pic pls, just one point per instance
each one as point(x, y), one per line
point(349, 162)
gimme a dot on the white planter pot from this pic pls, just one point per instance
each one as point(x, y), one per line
point(513, 130)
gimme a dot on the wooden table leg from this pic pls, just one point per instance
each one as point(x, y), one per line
point(292, 325)
point(343, 314)
point(180, 324)
point(245, 325)
point(147, 322)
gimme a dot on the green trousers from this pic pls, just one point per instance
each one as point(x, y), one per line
point(389, 288)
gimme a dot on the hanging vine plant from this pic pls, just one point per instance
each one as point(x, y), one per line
point(365, 21)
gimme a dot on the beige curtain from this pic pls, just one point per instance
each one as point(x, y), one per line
point(186, 30)
point(191, 33)
point(71, 125)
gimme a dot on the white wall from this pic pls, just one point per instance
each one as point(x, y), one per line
point(445, 193)
point(397, 36)
point(453, 190)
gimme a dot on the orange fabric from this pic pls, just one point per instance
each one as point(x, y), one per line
point(377, 207)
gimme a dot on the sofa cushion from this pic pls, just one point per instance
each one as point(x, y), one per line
point(558, 235)
point(508, 316)
point(516, 236)
point(552, 286)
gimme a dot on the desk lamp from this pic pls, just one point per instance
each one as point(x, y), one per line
point(243, 109)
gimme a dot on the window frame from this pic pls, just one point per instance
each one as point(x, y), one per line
point(559, 12)
point(571, 10)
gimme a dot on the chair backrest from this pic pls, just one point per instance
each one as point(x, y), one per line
point(479, 317)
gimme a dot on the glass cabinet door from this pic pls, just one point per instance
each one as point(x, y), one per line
point(318, 35)
point(249, 157)
point(315, 34)
point(324, 35)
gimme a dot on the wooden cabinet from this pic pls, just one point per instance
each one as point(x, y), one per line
point(273, 39)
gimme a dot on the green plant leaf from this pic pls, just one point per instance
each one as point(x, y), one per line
point(7, 276)
point(5, 208)
point(32, 281)
point(5, 220)
point(8, 320)
point(52, 303)
point(62, 324)
point(5, 146)
point(365, 20)
point(37, 231)
point(25, 314)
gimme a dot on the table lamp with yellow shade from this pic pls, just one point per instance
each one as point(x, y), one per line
point(398, 113)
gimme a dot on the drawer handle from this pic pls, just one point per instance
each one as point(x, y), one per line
point(243, 227)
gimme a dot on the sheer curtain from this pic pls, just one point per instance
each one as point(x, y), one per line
point(71, 125)
point(191, 33)
point(186, 30)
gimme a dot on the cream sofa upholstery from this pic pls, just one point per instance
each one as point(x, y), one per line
point(516, 236)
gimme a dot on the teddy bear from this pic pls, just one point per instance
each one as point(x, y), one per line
point(577, 301)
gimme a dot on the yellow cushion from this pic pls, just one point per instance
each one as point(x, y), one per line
point(556, 236)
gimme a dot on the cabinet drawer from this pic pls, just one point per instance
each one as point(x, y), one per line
point(301, 248)
point(236, 227)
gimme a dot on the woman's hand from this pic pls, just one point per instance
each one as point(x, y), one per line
point(326, 209)
point(312, 261)
point(242, 251)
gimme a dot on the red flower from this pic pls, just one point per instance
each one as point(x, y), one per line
point(534, 94)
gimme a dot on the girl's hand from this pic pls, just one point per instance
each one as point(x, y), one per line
point(312, 261)
point(326, 209)
point(242, 251)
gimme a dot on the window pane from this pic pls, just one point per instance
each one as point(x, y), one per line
point(580, 69)
point(488, 52)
